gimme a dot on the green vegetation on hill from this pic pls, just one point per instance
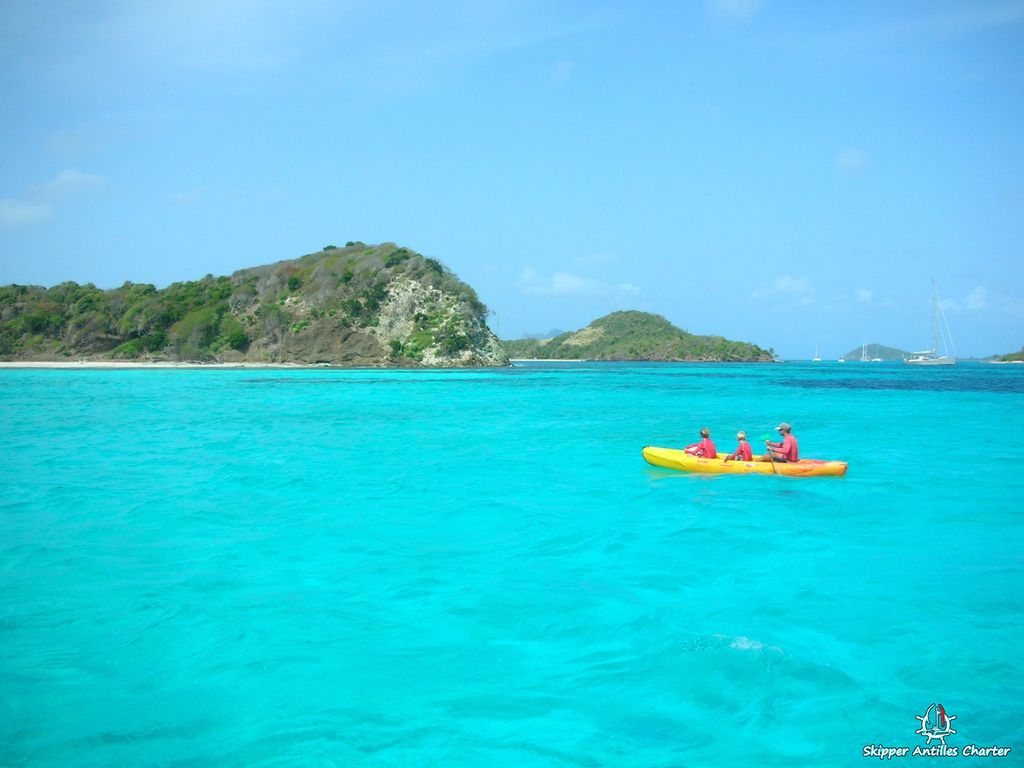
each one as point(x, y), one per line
point(1012, 357)
point(888, 354)
point(633, 335)
point(358, 304)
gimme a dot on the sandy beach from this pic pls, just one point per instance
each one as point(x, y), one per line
point(547, 360)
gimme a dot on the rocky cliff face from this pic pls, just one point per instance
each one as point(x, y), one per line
point(359, 305)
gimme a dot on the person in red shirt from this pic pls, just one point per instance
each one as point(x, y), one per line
point(705, 448)
point(743, 451)
point(787, 451)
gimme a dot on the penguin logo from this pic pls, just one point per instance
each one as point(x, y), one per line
point(936, 724)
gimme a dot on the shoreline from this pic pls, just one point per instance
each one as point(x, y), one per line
point(549, 360)
point(171, 365)
point(126, 365)
point(135, 364)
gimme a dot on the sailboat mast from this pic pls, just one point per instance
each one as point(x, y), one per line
point(940, 330)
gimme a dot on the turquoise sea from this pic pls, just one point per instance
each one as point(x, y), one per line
point(476, 568)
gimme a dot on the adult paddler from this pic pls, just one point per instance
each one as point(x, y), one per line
point(788, 450)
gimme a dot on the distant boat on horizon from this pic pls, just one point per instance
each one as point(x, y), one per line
point(817, 357)
point(864, 355)
point(940, 333)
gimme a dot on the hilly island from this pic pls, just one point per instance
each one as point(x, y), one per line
point(632, 335)
point(877, 352)
point(359, 305)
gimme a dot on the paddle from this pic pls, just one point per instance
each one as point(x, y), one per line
point(771, 458)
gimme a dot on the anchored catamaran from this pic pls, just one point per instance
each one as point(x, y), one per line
point(940, 332)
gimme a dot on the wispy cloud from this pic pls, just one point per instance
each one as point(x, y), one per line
point(786, 292)
point(732, 11)
point(1010, 305)
point(633, 290)
point(228, 35)
point(68, 183)
point(852, 160)
point(110, 131)
point(38, 204)
point(918, 24)
point(964, 19)
point(980, 299)
point(976, 299)
point(561, 72)
point(863, 295)
point(569, 284)
point(786, 284)
point(17, 214)
point(338, 43)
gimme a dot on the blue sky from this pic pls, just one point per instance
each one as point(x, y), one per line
point(792, 174)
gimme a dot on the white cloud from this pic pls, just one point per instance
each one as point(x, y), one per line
point(38, 204)
point(976, 299)
point(1010, 305)
point(852, 160)
point(732, 11)
point(338, 43)
point(963, 19)
point(229, 35)
point(786, 284)
point(981, 300)
point(68, 183)
point(15, 214)
point(562, 72)
point(569, 284)
point(564, 282)
point(911, 25)
point(787, 292)
point(863, 296)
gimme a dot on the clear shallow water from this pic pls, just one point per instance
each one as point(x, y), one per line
point(390, 568)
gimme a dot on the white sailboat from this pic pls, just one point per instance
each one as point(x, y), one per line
point(864, 354)
point(817, 357)
point(940, 333)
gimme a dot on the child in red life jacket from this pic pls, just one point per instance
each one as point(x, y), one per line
point(743, 451)
point(705, 448)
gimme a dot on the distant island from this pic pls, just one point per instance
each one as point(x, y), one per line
point(877, 352)
point(1012, 357)
point(633, 335)
point(549, 335)
point(359, 305)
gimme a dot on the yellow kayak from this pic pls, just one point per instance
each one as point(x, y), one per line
point(674, 458)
